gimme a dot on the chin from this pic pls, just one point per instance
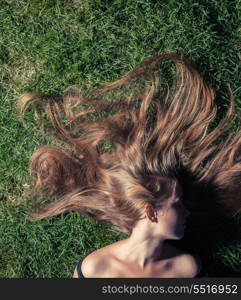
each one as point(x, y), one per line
point(179, 236)
point(175, 237)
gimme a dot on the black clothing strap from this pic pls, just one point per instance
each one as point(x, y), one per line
point(78, 268)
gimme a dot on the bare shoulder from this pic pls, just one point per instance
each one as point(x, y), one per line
point(94, 264)
point(88, 266)
point(98, 262)
point(187, 265)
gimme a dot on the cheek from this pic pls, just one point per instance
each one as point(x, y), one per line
point(174, 219)
point(176, 216)
point(171, 218)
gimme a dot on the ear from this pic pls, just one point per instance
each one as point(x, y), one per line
point(151, 213)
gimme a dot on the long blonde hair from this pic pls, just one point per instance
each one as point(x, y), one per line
point(155, 138)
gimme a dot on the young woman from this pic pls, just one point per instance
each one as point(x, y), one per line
point(137, 186)
point(147, 253)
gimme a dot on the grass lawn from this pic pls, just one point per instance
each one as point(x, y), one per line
point(48, 45)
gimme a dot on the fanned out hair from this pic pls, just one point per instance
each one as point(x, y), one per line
point(152, 138)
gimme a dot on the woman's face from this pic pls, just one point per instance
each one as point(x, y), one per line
point(171, 220)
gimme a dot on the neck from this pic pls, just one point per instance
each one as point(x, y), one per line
point(143, 250)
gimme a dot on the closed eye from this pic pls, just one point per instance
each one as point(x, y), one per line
point(178, 202)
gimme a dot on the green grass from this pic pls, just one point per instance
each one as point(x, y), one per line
point(48, 45)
